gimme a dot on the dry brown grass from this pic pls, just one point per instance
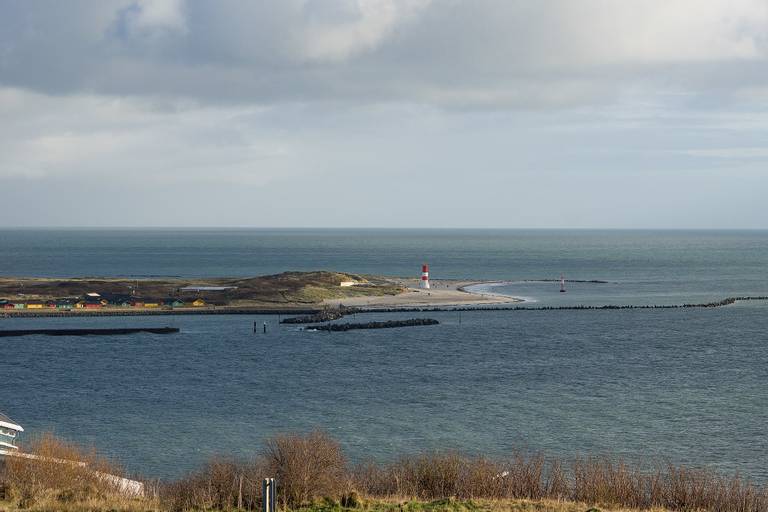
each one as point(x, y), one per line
point(57, 471)
point(312, 475)
point(594, 480)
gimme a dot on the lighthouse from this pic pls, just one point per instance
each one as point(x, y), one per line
point(424, 283)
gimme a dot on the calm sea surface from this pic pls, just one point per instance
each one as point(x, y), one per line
point(686, 385)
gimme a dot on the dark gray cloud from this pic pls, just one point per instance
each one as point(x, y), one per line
point(484, 53)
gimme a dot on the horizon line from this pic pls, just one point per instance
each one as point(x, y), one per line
point(381, 228)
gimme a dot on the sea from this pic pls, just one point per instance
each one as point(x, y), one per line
point(686, 386)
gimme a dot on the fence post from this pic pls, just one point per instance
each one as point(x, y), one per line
point(240, 494)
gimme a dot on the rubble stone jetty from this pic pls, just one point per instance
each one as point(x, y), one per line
point(87, 332)
point(413, 322)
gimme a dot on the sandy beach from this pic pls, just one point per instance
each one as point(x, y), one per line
point(443, 292)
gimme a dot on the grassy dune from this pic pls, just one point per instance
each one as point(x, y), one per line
point(280, 289)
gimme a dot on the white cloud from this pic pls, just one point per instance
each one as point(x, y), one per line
point(93, 137)
point(669, 31)
point(369, 23)
point(142, 16)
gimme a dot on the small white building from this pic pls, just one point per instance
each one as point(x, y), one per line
point(8, 432)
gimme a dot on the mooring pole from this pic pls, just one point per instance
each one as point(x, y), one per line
point(265, 327)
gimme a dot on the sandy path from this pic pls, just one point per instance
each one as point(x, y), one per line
point(443, 293)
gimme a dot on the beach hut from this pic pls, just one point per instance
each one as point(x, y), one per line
point(35, 305)
point(198, 302)
point(174, 303)
point(9, 305)
point(19, 305)
point(8, 432)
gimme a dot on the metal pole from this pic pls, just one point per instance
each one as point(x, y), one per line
point(268, 492)
point(265, 495)
point(272, 495)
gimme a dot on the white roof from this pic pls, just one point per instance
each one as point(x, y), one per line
point(6, 422)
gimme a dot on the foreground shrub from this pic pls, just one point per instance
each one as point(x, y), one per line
point(311, 471)
point(306, 467)
point(221, 484)
point(437, 475)
point(57, 469)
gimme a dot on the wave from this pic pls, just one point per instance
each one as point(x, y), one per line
point(486, 289)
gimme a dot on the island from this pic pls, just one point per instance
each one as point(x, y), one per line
point(288, 292)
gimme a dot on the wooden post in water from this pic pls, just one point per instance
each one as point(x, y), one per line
point(268, 491)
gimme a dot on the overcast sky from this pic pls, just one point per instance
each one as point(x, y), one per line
point(384, 113)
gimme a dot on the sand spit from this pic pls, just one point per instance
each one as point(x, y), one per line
point(443, 292)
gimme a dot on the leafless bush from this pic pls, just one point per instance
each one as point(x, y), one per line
point(595, 480)
point(441, 475)
point(311, 467)
point(306, 467)
point(50, 466)
point(221, 484)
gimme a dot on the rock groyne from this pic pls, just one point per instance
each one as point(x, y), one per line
point(413, 322)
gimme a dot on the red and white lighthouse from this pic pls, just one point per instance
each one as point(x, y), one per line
point(424, 283)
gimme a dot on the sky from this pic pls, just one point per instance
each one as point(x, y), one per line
point(384, 113)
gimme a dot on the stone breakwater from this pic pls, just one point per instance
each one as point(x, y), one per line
point(326, 315)
point(223, 310)
point(725, 302)
point(88, 332)
point(311, 312)
point(413, 322)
